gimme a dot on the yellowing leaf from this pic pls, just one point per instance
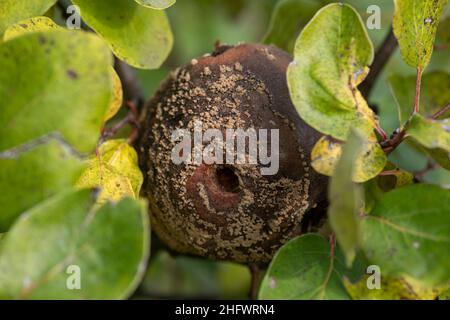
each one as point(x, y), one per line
point(405, 288)
point(29, 25)
point(117, 98)
point(369, 163)
point(115, 170)
point(327, 69)
point(156, 4)
point(403, 178)
point(415, 24)
point(12, 11)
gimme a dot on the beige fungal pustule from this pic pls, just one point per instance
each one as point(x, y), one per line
point(228, 211)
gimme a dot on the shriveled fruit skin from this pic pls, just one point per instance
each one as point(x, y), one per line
point(231, 211)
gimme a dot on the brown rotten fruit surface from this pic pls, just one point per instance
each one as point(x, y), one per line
point(231, 211)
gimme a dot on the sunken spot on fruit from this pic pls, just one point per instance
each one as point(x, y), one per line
point(227, 179)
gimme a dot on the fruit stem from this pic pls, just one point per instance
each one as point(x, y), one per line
point(255, 280)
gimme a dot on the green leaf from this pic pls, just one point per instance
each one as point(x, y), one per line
point(346, 199)
point(435, 94)
point(33, 173)
point(54, 81)
point(391, 289)
point(288, 18)
point(12, 11)
point(370, 160)
point(415, 24)
point(408, 233)
point(156, 4)
point(430, 133)
point(327, 69)
point(433, 136)
point(139, 36)
point(29, 25)
point(109, 246)
point(115, 170)
point(303, 269)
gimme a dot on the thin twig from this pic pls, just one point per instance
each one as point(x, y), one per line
point(382, 56)
point(392, 143)
point(129, 119)
point(381, 132)
point(419, 175)
point(440, 112)
point(440, 47)
point(63, 5)
point(389, 172)
point(418, 83)
point(131, 88)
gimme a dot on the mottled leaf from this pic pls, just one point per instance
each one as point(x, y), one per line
point(415, 24)
point(435, 94)
point(327, 69)
point(408, 233)
point(108, 247)
point(54, 81)
point(29, 25)
point(370, 160)
point(346, 199)
point(288, 18)
point(12, 11)
point(303, 269)
point(433, 136)
point(391, 289)
point(140, 36)
point(33, 173)
point(115, 170)
point(430, 133)
point(156, 4)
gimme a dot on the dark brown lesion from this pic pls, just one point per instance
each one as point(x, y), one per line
point(221, 186)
